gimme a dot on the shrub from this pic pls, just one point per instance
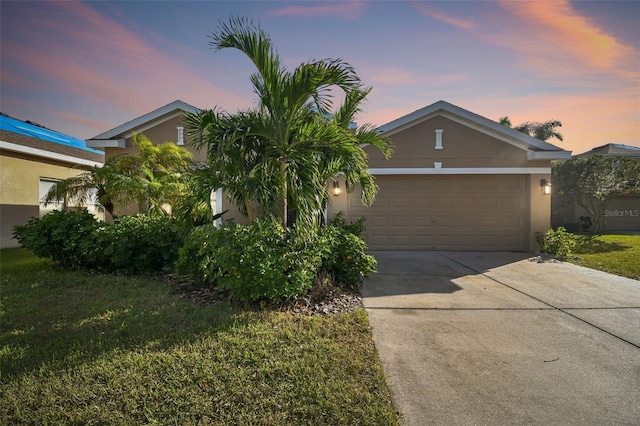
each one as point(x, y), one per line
point(198, 255)
point(140, 244)
point(558, 243)
point(346, 260)
point(356, 228)
point(68, 238)
point(254, 262)
point(134, 244)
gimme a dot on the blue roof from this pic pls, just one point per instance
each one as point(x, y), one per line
point(10, 124)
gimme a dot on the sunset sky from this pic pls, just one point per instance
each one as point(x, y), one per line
point(83, 68)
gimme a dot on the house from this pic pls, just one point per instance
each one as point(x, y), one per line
point(613, 149)
point(165, 124)
point(622, 214)
point(32, 159)
point(456, 181)
point(161, 125)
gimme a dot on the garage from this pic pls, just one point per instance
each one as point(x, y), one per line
point(444, 213)
point(456, 181)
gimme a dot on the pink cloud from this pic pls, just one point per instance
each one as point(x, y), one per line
point(95, 125)
point(587, 121)
point(10, 79)
point(435, 14)
point(394, 75)
point(551, 34)
point(76, 50)
point(344, 9)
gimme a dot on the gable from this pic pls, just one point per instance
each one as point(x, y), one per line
point(162, 131)
point(462, 147)
point(470, 143)
point(115, 138)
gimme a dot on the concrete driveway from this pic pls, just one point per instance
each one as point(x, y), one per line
point(497, 338)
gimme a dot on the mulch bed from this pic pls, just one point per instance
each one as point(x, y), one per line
point(332, 300)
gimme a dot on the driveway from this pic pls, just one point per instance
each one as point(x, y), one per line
point(497, 338)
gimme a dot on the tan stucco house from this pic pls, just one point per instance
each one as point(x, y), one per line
point(456, 181)
point(32, 159)
point(165, 124)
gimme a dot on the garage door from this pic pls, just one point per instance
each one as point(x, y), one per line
point(471, 212)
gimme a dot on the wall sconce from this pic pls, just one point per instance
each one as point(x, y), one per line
point(336, 188)
point(546, 186)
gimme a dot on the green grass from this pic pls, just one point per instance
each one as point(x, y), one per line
point(110, 349)
point(616, 254)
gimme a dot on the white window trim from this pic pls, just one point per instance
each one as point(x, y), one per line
point(57, 205)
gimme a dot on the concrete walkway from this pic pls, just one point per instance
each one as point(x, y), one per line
point(496, 338)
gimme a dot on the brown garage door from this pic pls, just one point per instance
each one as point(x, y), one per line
point(471, 212)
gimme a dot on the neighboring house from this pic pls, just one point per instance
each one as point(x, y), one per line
point(622, 214)
point(165, 124)
point(32, 159)
point(456, 181)
point(615, 149)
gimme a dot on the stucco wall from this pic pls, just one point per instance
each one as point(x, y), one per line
point(539, 209)
point(463, 147)
point(162, 132)
point(20, 188)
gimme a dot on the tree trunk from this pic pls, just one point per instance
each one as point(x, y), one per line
point(250, 213)
point(283, 194)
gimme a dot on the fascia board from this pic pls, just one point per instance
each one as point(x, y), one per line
point(106, 143)
point(151, 124)
point(47, 154)
point(548, 155)
point(151, 116)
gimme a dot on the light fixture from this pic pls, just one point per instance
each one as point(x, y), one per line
point(336, 188)
point(546, 186)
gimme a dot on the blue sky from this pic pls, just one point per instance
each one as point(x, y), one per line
point(85, 67)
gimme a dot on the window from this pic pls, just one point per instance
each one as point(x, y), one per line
point(45, 186)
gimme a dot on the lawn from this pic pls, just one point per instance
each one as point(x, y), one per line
point(78, 348)
point(615, 253)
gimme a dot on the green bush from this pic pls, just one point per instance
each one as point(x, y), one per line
point(356, 228)
point(197, 258)
point(346, 260)
point(134, 244)
point(67, 238)
point(254, 262)
point(558, 243)
point(140, 244)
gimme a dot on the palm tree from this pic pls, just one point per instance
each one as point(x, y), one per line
point(281, 153)
point(151, 177)
point(543, 131)
point(99, 183)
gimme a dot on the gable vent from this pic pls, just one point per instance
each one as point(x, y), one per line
point(180, 135)
point(439, 138)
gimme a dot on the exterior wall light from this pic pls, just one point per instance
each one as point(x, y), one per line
point(336, 188)
point(546, 186)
